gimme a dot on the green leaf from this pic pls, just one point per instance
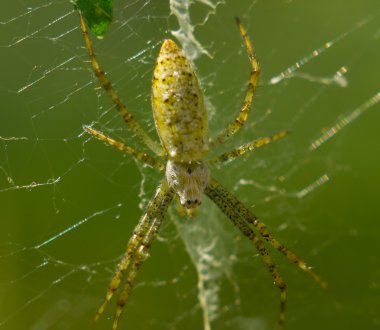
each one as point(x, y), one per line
point(97, 14)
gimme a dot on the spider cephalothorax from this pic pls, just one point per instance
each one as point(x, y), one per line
point(188, 180)
point(181, 123)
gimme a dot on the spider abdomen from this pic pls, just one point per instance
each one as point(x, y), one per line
point(178, 106)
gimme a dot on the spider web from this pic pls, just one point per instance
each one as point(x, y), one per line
point(69, 203)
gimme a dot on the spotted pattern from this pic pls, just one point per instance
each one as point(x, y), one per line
point(178, 106)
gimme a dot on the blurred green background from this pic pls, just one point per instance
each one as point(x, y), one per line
point(56, 179)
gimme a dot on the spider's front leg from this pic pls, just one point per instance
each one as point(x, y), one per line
point(137, 248)
point(227, 204)
point(244, 219)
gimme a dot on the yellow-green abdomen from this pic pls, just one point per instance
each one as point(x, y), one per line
point(178, 106)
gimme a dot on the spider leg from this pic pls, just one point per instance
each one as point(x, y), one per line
point(140, 156)
point(231, 155)
point(280, 247)
point(242, 117)
point(140, 255)
point(147, 225)
point(121, 108)
point(249, 217)
point(227, 204)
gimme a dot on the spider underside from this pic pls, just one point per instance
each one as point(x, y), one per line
point(181, 123)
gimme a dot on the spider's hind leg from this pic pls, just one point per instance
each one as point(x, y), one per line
point(107, 86)
point(242, 117)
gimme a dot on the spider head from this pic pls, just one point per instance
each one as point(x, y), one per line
point(188, 180)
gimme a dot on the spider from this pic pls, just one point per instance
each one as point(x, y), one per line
point(181, 123)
